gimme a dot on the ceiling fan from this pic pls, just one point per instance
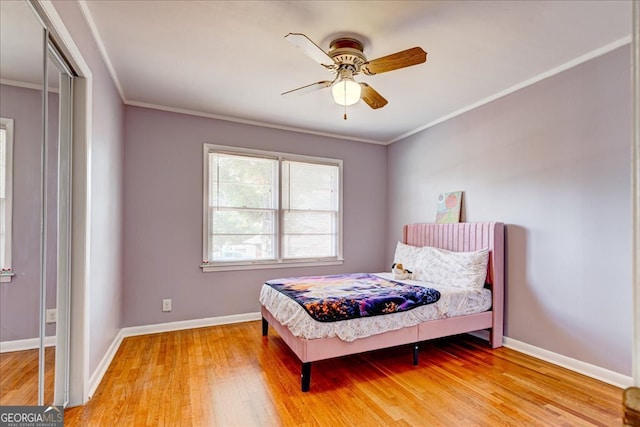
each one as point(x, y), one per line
point(346, 60)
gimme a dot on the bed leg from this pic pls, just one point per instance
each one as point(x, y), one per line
point(495, 338)
point(306, 376)
point(415, 354)
point(265, 327)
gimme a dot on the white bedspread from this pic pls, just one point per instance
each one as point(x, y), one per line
point(453, 302)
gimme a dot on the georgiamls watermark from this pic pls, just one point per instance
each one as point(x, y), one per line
point(31, 416)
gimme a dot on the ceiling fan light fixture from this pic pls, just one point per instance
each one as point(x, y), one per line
point(346, 91)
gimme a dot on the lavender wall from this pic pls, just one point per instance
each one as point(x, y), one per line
point(552, 162)
point(163, 214)
point(20, 298)
point(104, 302)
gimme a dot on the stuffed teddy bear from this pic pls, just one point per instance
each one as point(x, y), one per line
point(399, 272)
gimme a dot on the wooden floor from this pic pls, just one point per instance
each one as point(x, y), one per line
point(232, 376)
point(19, 377)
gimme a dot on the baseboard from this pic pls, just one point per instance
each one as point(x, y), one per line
point(97, 375)
point(101, 370)
point(189, 324)
point(28, 344)
point(593, 371)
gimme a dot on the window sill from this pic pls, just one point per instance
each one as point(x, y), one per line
point(5, 277)
point(208, 268)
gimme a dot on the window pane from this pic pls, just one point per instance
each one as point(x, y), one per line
point(3, 161)
point(242, 235)
point(310, 206)
point(2, 232)
point(309, 222)
point(309, 246)
point(3, 184)
point(237, 181)
point(242, 248)
point(309, 186)
point(6, 167)
point(247, 222)
point(309, 234)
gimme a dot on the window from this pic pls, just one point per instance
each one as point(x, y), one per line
point(264, 209)
point(6, 187)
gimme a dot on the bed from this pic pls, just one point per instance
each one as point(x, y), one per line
point(460, 237)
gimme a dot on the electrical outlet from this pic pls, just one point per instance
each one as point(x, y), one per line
point(51, 315)
point(166, 305)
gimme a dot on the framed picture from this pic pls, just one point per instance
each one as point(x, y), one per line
point(449, 206)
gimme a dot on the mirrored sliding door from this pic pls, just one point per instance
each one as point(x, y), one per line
point(21, 109)
point(56, 216)
point(35, 146)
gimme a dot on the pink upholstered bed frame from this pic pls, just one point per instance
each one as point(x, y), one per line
point(455, 237)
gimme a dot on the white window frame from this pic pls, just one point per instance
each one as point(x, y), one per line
point(7, 273)
point(279, 262)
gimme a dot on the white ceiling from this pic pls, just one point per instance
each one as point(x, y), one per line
point(229, 59)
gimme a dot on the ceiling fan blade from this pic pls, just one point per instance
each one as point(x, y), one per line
point(371, 97)
point(309, 88)
point(309, 48)
point(405, 58)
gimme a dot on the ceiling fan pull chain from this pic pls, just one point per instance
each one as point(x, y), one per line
point(345, 102)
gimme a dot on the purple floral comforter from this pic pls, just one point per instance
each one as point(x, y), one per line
point(347, 296)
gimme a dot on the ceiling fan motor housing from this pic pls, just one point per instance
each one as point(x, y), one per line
point(347, 51)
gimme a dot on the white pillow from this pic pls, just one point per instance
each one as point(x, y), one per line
point(411, 258)
point(458, 269)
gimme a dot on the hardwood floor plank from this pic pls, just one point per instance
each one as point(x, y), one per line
point(232, 376)
point(19, 377)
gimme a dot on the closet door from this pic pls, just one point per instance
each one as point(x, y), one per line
point(57, 216)
point(22, 56)
point(35, 203)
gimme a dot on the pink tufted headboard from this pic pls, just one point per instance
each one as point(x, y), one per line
point(469, 236)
